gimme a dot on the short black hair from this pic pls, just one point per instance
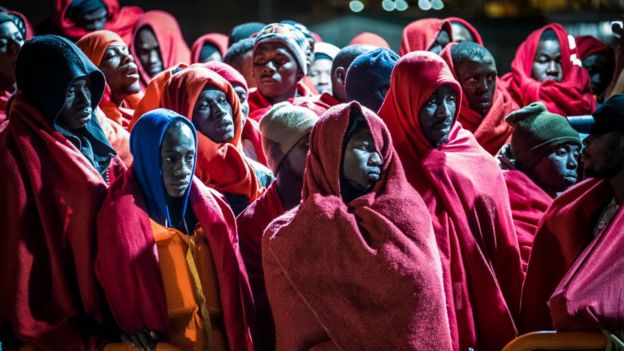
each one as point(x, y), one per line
point(346, 55)
point(244, 31)
point(237, 51)
point(548, 34)
point(207, 49)
point(469, 51)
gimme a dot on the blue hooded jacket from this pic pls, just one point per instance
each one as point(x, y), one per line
point(145, 143)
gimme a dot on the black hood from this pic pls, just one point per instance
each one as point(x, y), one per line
point(45, 67)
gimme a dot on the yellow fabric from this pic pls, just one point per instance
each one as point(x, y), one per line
point(191, 289)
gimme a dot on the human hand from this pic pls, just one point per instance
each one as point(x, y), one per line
point(144, 340)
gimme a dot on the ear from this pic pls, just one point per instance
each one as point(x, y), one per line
point(300, 75)
point(340, 75)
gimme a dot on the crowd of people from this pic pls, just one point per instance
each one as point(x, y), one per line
point(267, 190)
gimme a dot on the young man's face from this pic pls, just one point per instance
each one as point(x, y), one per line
point(558, 170)
point(320, 75)
point(547, 61)
point(361, 164)
point(76, 111)
point(296, 158)
point(120, 70)
point(478, 81)
point(244, 103)
point(437, 115)
point(275, 70)
point(94, 20)
point(600, 70)
point(148, 50)
point(177, 154)
point(603, 156)
point(11, 42)
point(212, 115)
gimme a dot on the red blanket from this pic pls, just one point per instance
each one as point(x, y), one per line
point(590, 295)
point(128, 269)
point(421, 34)
point(566, 228)
point(466, 195)
point(120, 19)
point(218, 40)
point(251, 224)
point(153, 92)
point(588, 45)
point(259, 104)
point(50, 196)
point(491, 130)
point(251, 133)
point(220, 166)
point(473, 31)
point(358, 276)
point(528, 204)
point(5, 95)
point(173, 48)
point(570, 97)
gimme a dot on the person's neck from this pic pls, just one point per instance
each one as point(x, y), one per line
point(175, 213)
point(617, 184)
point(117, 98)
point(289, 189)
point(349, 192)
point(291, 93)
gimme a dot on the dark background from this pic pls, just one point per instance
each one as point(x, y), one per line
point(503, 24)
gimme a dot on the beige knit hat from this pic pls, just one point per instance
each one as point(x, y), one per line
point(281, 128)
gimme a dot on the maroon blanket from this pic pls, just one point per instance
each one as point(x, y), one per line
point(356, 276)
point(50, 196)
point(528, 204)
point(565, 230)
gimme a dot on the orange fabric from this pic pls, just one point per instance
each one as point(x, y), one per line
point(117, 136)
point(173, 48)
point(120, 19)
point(183, 259)
point(491, 130)
point(153, 93)
point(220, 166)
point(94, 45)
